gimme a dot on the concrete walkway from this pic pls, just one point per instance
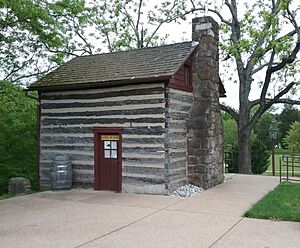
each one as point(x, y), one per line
point(85, 218)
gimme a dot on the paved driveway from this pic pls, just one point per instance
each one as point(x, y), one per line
point(85, 218)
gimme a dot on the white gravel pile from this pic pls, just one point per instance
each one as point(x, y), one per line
point(227, 177)
point(187, 190)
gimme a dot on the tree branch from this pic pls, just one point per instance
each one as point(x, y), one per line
point(139, 15)
point(264, 106)
point(261, 40)
point(210, 10)
point(230, 111)
point(262, 66)
point(267, 78)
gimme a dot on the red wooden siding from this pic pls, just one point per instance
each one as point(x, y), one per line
point(178, 81)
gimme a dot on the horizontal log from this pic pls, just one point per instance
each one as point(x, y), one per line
point(72, 156)
point(144, 170)
point(123, 112)
point(66, 140)
point(143, 165)
point(180, 97)
point(143, 156)
point(143, 150)
point(106, 108)
point(63, 135)
point(174, 107)
point(85, 185)
point(83, 167)
point(177, 135)
point(177, 125)
point(77, 177)
point(101, 104)
point(150, 140)
point(176, 145)
point(73, 148)
point(143, 181)
point(103, 90)
point(100, 120)
point(81, 171)
point(177, 116)
point(144, 176)
point(177, 178)
point(144, 130)
point(126, 131)
point(142, 160)
point(178, 164)
point(133, 92)
point(106, 99)
point(178, 92)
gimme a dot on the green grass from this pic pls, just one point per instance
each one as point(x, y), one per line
point(5, 196)
point(283, 203)
point(278, 153)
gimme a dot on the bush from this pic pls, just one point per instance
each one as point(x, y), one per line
point(292, 139)
point(259, 158)
point(17, 136)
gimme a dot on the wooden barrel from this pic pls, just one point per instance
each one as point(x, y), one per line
point(61, 173)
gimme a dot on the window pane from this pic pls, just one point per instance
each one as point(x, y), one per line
point(114, 145)
point(113, 153)
point(106, 144)
point(106, 153)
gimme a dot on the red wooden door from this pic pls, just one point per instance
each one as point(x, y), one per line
point(108, 159)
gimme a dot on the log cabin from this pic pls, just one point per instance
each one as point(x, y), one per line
point(140, 121)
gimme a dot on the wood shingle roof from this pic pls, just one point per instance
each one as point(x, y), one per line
point(142, 65)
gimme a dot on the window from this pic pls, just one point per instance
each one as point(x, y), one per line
point(187, 75)
point(110, 149)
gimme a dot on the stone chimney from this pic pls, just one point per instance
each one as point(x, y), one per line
point(205, 131)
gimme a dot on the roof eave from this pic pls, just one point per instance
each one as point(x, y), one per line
point(92, 85)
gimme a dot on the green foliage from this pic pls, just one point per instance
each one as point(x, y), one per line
point(292, 139)
point(285, 119)
point(259, 158)
point(17, 136)
point(36, 36)
point(230, 133)
point(280, 204)
point(259, 152)
point(261, 129)
point(125, 25)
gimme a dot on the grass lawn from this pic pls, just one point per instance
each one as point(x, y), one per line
point(283, 203)
point(278, 153)
point(5, 196)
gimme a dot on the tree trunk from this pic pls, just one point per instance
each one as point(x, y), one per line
point(244, 150)
point(244, 130)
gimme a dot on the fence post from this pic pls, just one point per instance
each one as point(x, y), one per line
point(287, 169)
point(280, 167)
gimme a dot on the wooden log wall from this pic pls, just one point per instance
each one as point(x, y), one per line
point(67, 119)
point(178, 108)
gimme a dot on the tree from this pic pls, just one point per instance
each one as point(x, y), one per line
point(261, 129)
point(18, 134)
point(260, 158)
point(230, 133)
point(134, 24)
point(262, 41)
point(292, 139)
point(285, 119)
point(38, 35)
